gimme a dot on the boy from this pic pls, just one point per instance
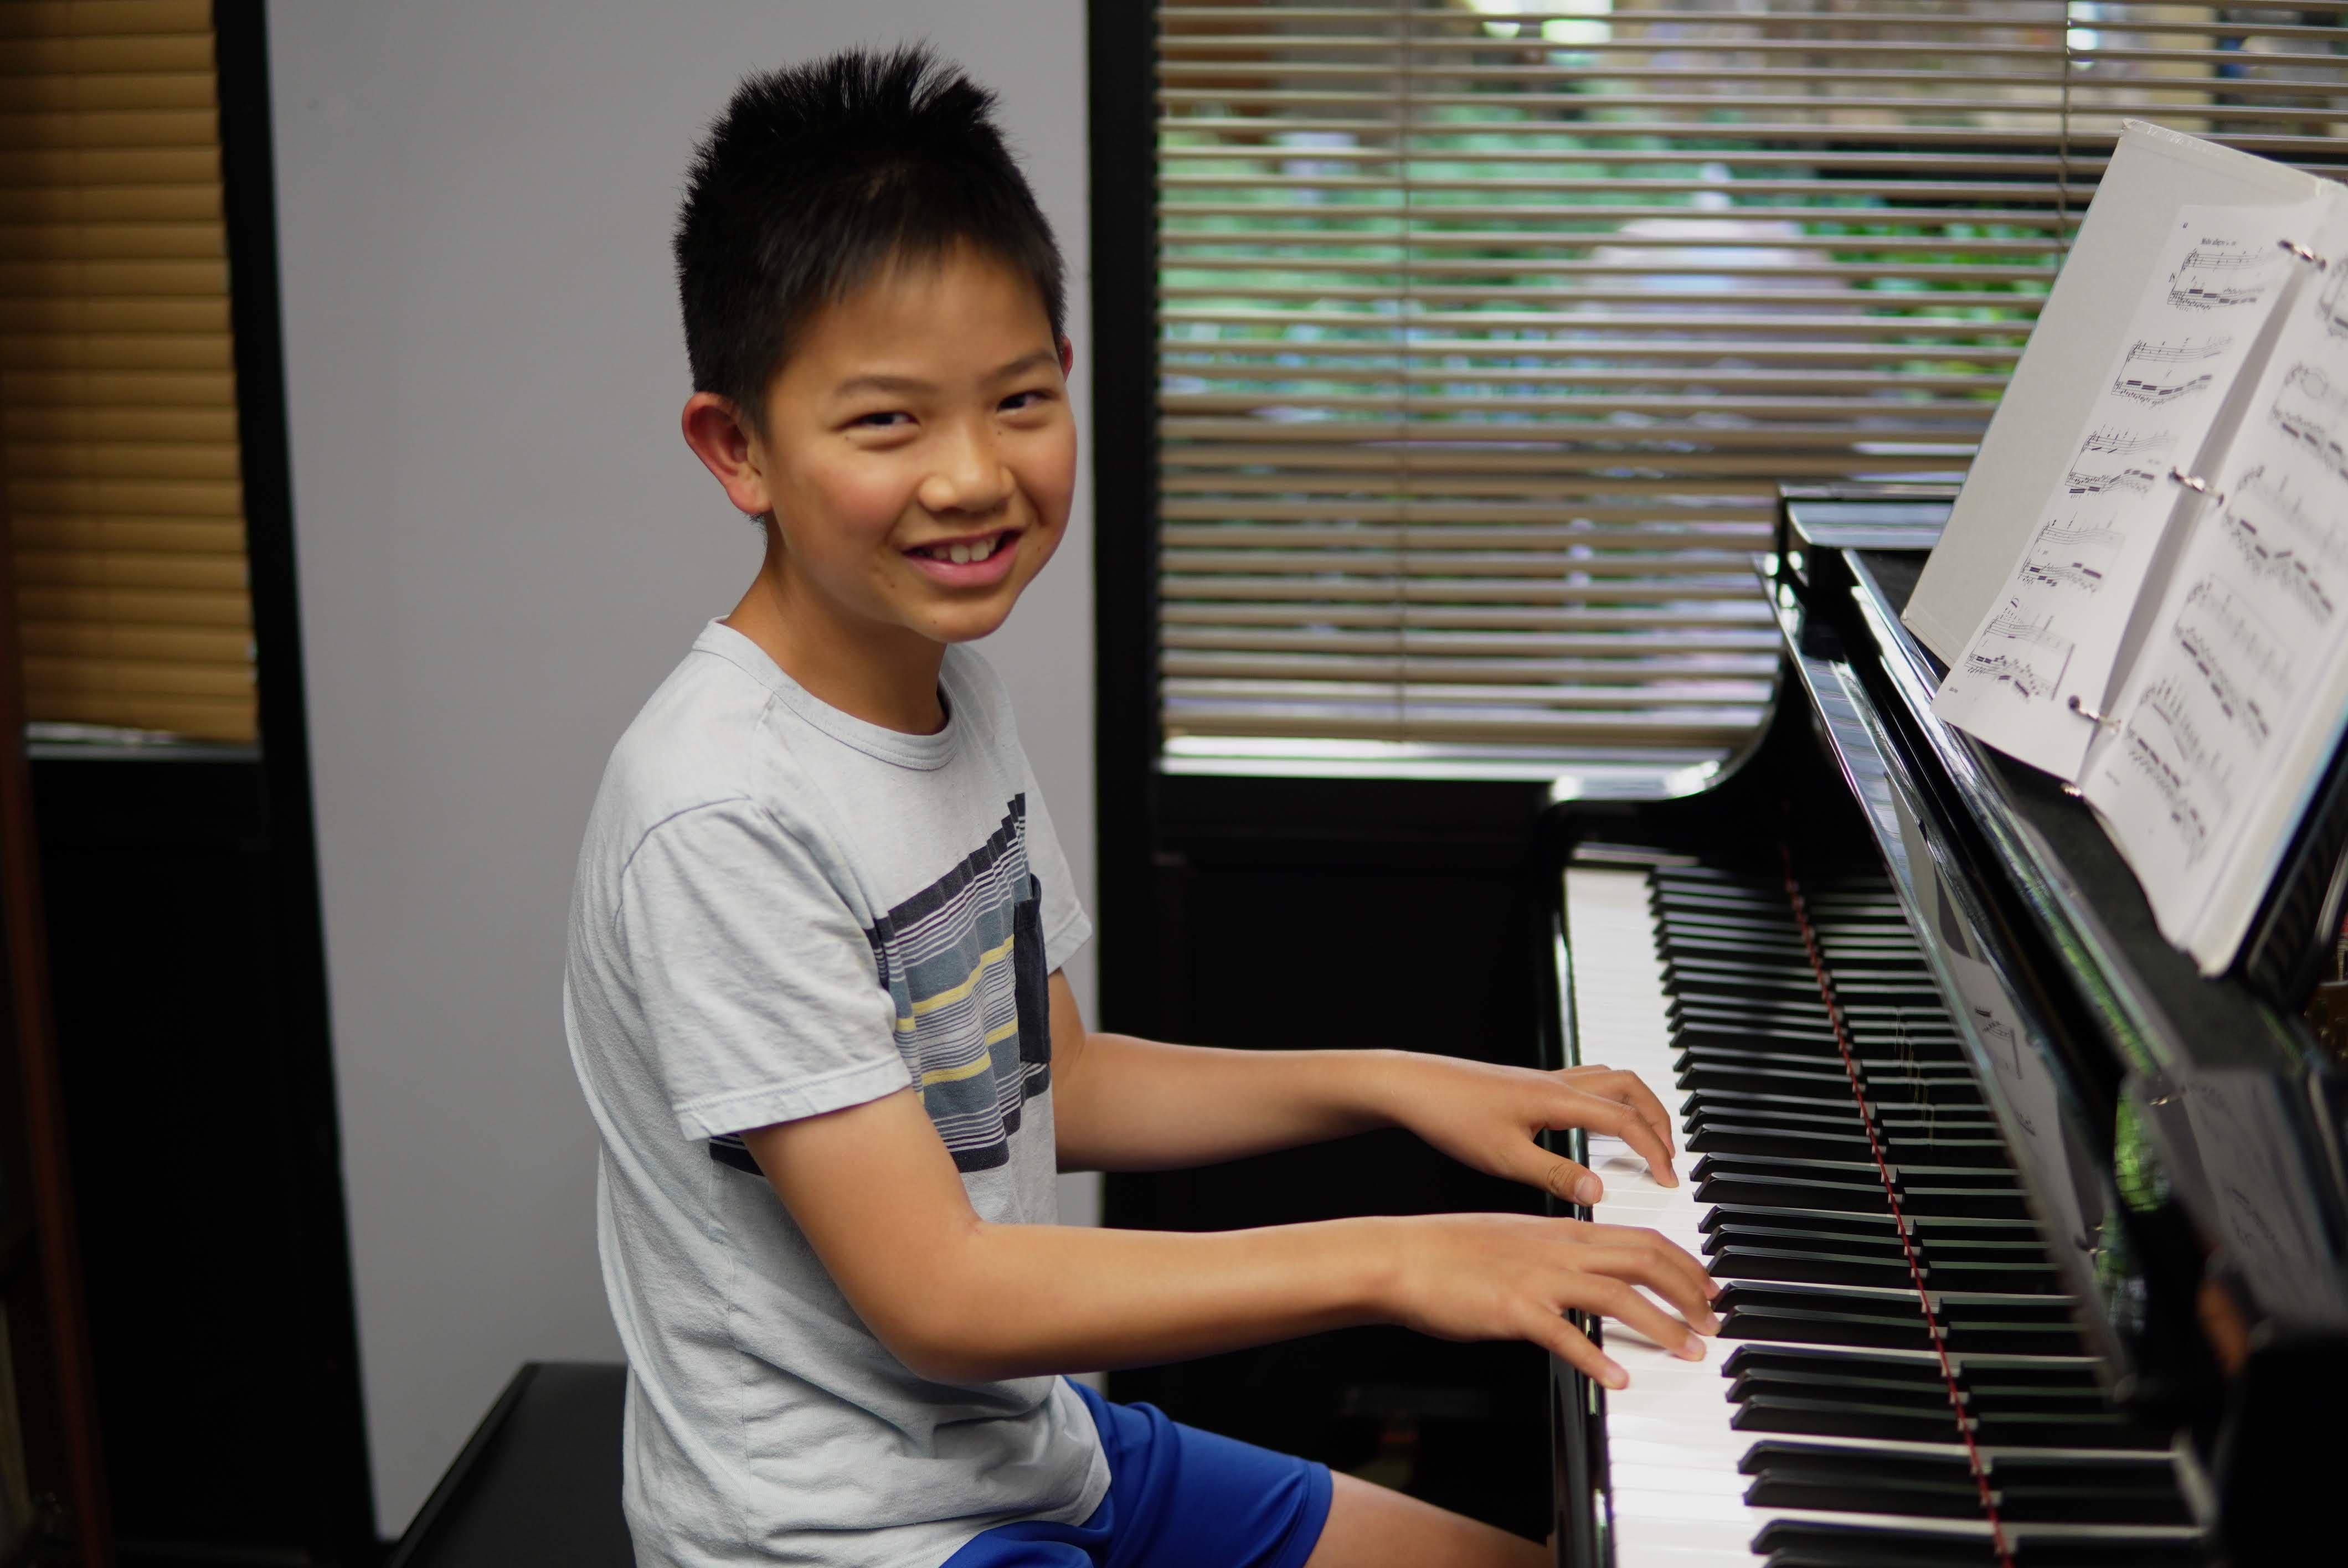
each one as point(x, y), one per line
point(814, 993)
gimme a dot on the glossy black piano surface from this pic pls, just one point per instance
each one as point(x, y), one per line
point(2037, 1242)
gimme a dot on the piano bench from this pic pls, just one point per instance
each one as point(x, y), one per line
point(538, 1484)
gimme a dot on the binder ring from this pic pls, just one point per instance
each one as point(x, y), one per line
point(2195, 483)
point(2303, 253)
point(2102, 720)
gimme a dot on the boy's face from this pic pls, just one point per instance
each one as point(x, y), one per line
point(919, 456)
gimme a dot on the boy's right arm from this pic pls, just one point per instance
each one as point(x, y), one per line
point(959, 1300)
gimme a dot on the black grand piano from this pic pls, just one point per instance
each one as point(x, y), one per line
point(2034, 1242)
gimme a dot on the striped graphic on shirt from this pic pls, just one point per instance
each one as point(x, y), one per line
point(962, 961)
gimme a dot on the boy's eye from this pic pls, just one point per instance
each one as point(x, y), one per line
point(884, 419)
point(1019, 400)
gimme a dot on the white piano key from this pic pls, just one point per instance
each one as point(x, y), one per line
point(1677, 1495)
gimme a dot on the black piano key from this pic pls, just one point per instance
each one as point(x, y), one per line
point(1990, 1382)
point(1809, 1222)
point(1975, 1322)
point(1686, 1003)
point(1808, 1415)
point(1794, 1475)
point(1776, 1253)
point(1795, 992)
point(1909, 1177)
point(1878, 991)
point(1799, 1039)
point(1862, 1383)
point(1822, 1081)
point(2084, 1491)
point(1938, 1051)
point(1822, 1099)
point(1840, 1119)
point(1738, 1231)
point(1736, 1136)
point(1803, 1543)
point(1761, 1310)
point(1926, 1229)
point(1706, 931)
point(1879, 1080)
point(1948, 1199)
point(2078, 1489)
point(1831, 1109)
point(1741, 1261)
point(1742, 1138)
point(1797, 1192)
point(1911, 1147)
point(2009, 1278)
point(2105, 1429)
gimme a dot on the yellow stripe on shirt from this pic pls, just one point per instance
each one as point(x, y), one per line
point(955, 1074)
point(948, 997)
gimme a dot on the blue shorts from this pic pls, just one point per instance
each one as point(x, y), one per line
point(1178, 1498)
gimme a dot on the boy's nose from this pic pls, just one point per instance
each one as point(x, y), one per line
point(972, 478)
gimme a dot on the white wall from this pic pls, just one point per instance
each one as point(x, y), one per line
point(503, 547)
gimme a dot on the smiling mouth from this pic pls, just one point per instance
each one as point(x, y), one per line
point(962, 552)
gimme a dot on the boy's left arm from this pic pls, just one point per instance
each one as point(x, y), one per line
point(1125, 1104)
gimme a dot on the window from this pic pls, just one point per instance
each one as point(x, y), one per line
point(1486, 331)
point(117, 394)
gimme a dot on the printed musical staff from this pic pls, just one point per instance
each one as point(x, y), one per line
point(2146, 758)
point(2160, 393)
point(2332, 303)
point(2022, 651)
point(2184, 351)
point(2281, 542)
point(2081, 482)
point(2235, 659)
point(2071, 554)
point(2221, 275)
point(2310, 411)
point(2123, 441)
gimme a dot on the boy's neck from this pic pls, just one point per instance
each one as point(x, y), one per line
point(884, 675)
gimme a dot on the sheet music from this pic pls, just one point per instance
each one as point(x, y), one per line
point(2056, 633)
point(2234, 701)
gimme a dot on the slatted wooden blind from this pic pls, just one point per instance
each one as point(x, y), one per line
point(118, 396)
point(1487, 329)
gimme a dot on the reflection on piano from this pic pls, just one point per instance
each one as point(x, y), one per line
point(2032, 1239)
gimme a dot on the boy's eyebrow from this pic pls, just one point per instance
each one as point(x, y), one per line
point(906, 384)
point(1027, 361)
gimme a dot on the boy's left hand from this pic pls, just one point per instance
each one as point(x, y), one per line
point(1491, 1118)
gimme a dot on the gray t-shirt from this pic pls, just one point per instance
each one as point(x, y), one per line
point(780, 911)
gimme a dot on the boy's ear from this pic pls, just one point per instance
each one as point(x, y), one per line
point(1068, 357)
point(714, 429)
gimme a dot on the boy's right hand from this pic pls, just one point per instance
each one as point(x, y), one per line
point(1514, 1276)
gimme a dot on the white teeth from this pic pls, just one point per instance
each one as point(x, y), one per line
point(981, 550)
point(958, 554)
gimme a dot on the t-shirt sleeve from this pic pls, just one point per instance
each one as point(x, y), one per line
point(1067, 926)
point(759, 990)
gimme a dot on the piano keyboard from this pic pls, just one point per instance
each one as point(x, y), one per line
point(1822, 1431)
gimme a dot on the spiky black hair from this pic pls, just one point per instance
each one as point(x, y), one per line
point(818, 177)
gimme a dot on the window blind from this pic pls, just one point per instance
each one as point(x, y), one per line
point(117, 398)
point(1486, 331)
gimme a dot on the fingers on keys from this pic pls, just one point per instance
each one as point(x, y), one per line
point(1617, 1118)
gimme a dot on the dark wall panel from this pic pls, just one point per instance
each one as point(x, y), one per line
point(1298, 914)
point(201, 1149)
